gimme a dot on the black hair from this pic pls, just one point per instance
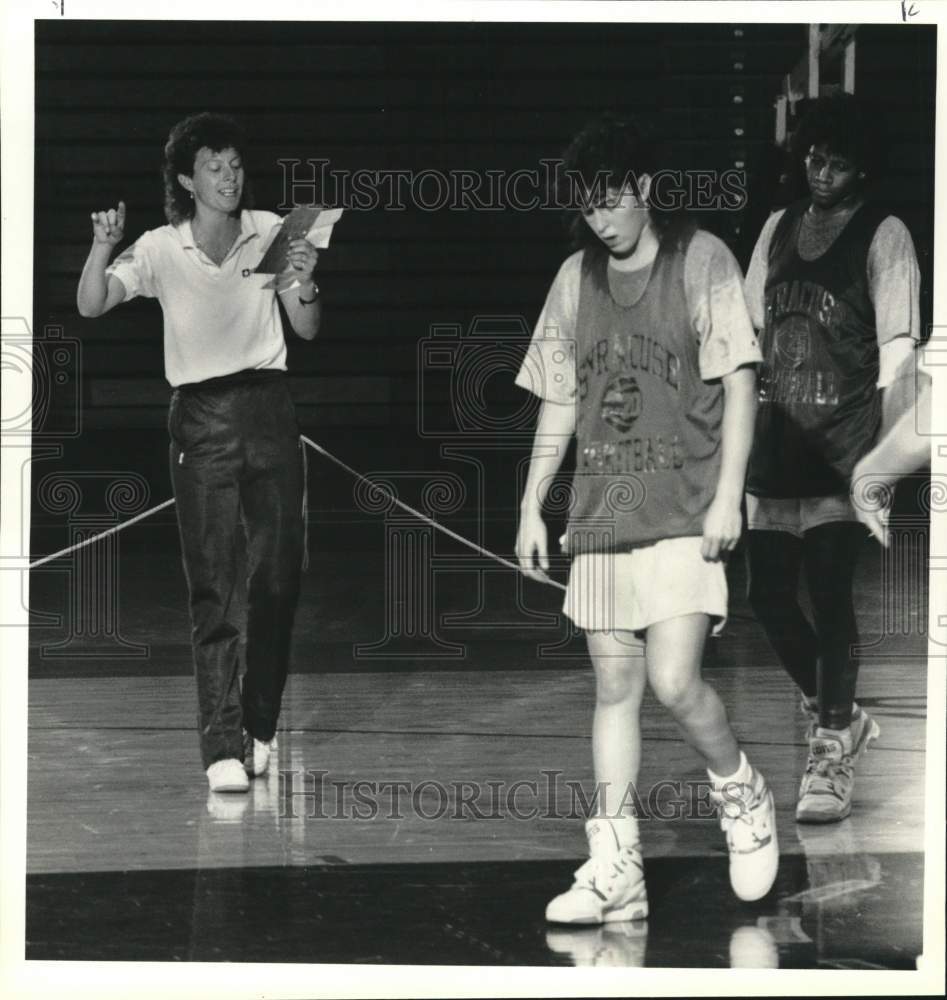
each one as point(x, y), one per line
point(847, 127)
point(609, 152)
point(216, 132)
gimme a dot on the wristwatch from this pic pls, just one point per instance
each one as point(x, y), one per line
point(315, 296)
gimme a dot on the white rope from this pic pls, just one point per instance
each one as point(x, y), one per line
point(338, 461)
point(104, 534)
point(423, 517)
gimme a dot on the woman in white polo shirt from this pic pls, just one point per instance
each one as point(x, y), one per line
point(235, 449)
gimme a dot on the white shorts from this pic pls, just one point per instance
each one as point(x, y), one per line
point(632, 590)
point(797, 515)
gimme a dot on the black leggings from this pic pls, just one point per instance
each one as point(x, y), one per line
point(819, 659)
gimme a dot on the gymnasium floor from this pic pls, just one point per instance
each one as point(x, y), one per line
point(131, 858)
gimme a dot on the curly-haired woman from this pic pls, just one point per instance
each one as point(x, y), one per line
point(235, 451)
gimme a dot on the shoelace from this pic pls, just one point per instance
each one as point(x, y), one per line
point(729, 821)
point(734, 808)
point(823, 774)
point(732, 811)
point(605, 869)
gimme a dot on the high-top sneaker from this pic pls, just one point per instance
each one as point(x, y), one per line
point(748, 818)
point(825, 792)
point(609, 886)
point(256, 754)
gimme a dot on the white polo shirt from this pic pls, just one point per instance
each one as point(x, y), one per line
point(217, 320)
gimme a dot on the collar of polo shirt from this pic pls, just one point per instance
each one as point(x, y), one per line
point(247, 232)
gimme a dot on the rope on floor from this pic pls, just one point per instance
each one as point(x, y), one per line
point(342, 465)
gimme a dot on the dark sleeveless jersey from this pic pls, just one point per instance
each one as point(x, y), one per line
point(820, 407)
point(647, 426)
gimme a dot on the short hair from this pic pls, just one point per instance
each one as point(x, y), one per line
point(216, 132)
point(611, 150)
point(846, 126)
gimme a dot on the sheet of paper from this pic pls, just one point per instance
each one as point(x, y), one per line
point(312, 222)
point(320, 236)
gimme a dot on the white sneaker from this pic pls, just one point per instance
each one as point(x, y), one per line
point(227, 776)
point(826, 789)
point(256, 754)
point(748, 818)
point(608, 887)
point(864, 731)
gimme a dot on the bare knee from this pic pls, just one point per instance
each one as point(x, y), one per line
point(616, 680)
point(676, 693)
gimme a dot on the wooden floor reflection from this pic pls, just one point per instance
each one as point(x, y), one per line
point(424, 810)
point(398, 768)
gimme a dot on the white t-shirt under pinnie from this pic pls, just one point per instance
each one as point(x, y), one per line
point(217, 320)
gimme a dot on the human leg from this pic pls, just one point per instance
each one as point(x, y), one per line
point(745, 805)
point(610, 885)
point(773, 562)
point(619, 665)
point(272, 501)
point(673, 656)
point(204, 468)
point(844, 730)
point(830, 555)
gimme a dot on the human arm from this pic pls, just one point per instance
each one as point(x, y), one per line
point(301, 301)
point(554, 431)
point(548, 371)
point(723, 522)
point(904, 449)
point(894, 288)
point(729, 351)
point(99, 292)
point(754, 285)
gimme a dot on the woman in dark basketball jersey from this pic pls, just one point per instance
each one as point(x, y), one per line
point(833, 286)
point(644, 351)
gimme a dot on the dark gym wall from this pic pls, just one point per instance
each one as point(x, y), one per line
point(394, 96)
point(377, 96)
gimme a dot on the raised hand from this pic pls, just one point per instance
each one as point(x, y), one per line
point(108, 227)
